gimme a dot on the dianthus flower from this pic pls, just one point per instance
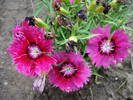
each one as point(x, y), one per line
point(106, 49)
point(60, 1)
point(30, 50)
point(72, 74)
point(72, 1)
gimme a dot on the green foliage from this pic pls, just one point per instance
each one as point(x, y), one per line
point(117, 18)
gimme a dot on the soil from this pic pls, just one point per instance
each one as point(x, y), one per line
point(116, 84)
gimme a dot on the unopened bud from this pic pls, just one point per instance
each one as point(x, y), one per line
point(99, 9)
point(56, 6)
point(91, 7)
point(81, 14)
point(31, 20)
point(106, 7)
point(113, 3)
point(64, 11)
point(73, 38)
point(50, 36)
point(61, 20)
point(98, 2)
point(70, 46)
point(40, 23)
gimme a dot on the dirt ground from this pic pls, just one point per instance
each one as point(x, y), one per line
point(117, 83)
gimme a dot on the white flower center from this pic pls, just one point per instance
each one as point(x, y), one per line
point(68, 70)
point(34, 51)
point(106, 47)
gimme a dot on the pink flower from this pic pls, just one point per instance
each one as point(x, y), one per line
point(72, 1)
point(106, 49)
point(58, 1)
point(72, 74)
point(29, 50)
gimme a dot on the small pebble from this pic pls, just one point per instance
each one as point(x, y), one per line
point(5, 83)
point(116, 78)
point(2, 62)
point(5, 52)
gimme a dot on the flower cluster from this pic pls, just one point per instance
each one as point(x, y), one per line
point(66, 47)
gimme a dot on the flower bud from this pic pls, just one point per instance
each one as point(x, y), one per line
point(61, 20)
point(31, 20)
point(63, 11)
point(81, 14)
point(113, 3)
point(106, 7)
point(50, 36)
point(99, 9)
point(72, 42)
point(69, 24)
point(91, 7)
point(52, 22)
point(73, 38)
point(70, 46)
point(98, 1)
point(39, 83)
point(56, 6)
point(40, 23)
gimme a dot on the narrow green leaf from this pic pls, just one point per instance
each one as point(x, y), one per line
point(83, 32)
point(96, 74)
point(61, 31)
point(87, 36)
point(51, 8)
point(62, 42)
point(110, 22)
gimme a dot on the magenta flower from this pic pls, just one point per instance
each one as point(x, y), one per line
point(58, 1)
point(72, 74)
point(29, 50)
point(106, 49)
point(72, 1)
